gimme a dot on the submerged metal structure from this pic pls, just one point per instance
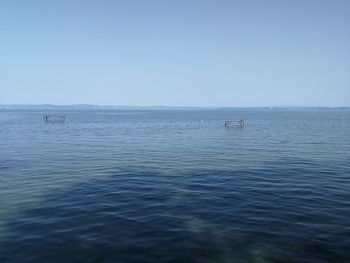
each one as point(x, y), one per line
point(234, 123)
point(57, 117)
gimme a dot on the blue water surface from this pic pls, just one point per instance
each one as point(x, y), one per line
point(175, 186)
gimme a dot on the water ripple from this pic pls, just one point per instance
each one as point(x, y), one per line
point(174, 189)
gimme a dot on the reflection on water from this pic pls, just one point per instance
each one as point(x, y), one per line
point(99, 189)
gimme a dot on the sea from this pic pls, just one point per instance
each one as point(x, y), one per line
point(175, 185)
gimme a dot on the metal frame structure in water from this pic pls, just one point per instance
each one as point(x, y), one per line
point(54, 118)
point(234, 123)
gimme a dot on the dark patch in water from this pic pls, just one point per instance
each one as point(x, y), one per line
point(152, 217)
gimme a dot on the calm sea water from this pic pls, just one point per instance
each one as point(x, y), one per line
point(175, 186)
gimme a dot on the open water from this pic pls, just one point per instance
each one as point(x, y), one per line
point(175, 186)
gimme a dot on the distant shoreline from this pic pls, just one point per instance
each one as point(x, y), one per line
point(103, 107)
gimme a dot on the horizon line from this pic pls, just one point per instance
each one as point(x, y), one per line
point(166, 106)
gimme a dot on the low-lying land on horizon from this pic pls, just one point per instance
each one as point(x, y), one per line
point(161, 107)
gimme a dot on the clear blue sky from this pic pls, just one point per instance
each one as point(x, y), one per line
point(175, 52)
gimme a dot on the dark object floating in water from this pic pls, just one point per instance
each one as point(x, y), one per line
point(234, 123)
point(54, 118)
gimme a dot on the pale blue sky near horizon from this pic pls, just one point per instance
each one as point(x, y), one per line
point(175, 53)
